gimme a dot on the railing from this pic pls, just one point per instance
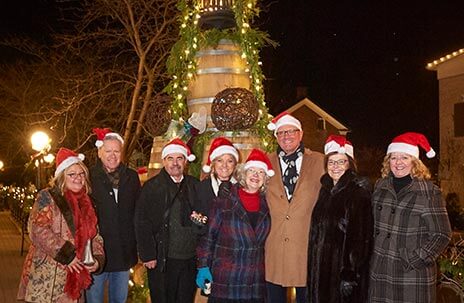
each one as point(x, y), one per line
point(20, 215)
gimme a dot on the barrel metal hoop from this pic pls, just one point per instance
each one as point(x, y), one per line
point(221, 70)
point(200, 101)
point(216, 52)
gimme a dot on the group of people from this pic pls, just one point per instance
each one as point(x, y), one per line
point(294, 218)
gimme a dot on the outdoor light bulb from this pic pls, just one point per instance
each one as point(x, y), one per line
point(179, 96)
point(183, 25)
point(49, 158)
point(40, 141)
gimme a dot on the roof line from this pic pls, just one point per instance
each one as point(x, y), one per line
point(322, 113)
point(433, 65)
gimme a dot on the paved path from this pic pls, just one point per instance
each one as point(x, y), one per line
point(11, 262)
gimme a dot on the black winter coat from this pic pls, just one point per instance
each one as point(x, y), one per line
point(340, 240)
point(205, 196)
point(158, 194)
point(116, 220)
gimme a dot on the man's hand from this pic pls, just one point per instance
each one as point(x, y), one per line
point(150, 264)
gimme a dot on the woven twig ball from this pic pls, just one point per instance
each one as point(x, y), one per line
point(158, 116)
point(234, 109)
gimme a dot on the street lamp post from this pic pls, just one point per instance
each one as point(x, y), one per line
point(40, 143)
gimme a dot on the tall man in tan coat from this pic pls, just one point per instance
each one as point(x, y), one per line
point(291, 196)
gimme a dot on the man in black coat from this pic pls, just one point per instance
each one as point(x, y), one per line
point(166, 237)
point(115, 189)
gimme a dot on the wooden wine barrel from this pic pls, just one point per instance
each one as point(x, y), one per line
point(156, 163)
point(217, 69)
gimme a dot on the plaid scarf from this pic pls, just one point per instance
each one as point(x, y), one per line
point(290, 175)
point(114, 178)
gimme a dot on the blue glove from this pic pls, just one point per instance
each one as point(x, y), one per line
point(203, 276)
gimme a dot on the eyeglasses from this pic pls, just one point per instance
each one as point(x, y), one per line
point(338, 162)
point(75, 175)
point(258, 172)
point(290, 132)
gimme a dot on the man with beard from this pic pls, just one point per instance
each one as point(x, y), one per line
point(166, 237)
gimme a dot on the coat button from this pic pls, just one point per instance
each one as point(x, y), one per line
point(377, 232)
point(287, 217)
point(286, 239)
point(388, 235)
point(393, 211)
point(379, 207)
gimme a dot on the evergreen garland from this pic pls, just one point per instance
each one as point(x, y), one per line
point(182, 65)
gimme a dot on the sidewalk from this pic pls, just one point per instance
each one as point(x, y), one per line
point(11, 263)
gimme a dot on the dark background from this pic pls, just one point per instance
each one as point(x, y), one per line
point(362, 61)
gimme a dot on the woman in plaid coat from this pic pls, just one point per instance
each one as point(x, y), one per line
point(411, 226)
point(231, 254)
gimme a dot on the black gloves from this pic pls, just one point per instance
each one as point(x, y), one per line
point(346, 287)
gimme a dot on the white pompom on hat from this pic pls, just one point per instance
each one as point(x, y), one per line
point(339, 144)
point(258, 159)
point(282, 119)
point(65, 158)
point(220, 146)
point(103, 133)
point(177, 146)
point(409, 143)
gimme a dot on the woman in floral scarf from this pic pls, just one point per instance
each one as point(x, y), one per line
point(61, 225)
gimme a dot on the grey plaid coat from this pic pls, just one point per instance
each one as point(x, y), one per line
point(411, 230)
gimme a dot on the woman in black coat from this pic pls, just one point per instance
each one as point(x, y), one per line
point(221, 164)
point(341, 230)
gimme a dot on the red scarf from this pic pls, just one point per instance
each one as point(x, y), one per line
point(249, 201)
point(85, 222)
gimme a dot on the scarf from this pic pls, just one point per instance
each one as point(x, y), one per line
point(249, 201)
point(85, 222)
point(114, 178)
point(290, 175)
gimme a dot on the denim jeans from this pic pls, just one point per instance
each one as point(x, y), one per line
point(118, 286)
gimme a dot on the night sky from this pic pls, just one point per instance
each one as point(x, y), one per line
point(362, 61)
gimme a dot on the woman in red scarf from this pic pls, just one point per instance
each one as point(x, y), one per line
point(61, 225)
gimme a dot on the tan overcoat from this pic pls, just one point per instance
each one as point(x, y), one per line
point(286, 250)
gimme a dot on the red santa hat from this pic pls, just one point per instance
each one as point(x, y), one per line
point(258, 158)
point(283, 118)
point(103, 133)
point(177, 146)
point(65, 158)
point(409, 143)
point(339, 144)
point(220, 146)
